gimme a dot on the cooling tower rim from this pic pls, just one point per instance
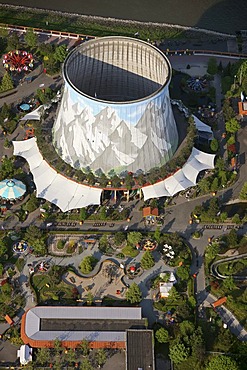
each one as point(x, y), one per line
point(115, 38)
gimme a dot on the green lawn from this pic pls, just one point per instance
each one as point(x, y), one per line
point(50, 291)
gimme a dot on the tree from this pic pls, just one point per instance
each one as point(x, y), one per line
point(103, 243)
point(162, 335)
point(229, 284)
point(1, 269)
point(100, 357)
point(228, 111)
point(212, 250)
point(103, 213)
point(7, 169)
point(3, 248)
point(70, 356)
point(236, 219)
point(55, 273)
point(220, 164)
point(133, 294)
point(147, 260)
point(60, 53)
point(215, 184)
point(198, 345)
point(187, 328)
point(32, 204)
point(232, 238)
point(83, 214)
point(119, 238)
point(84, 347)
point(13, 41)
point(223, 216)
point(225, 340)
point(157, 234)
point(6, 83)
point(89, 298)
point(39, 247)
point(134, 237)
point(87, 264)
point(86, 365)
point(212, 66)
point(178, 353)
point(213, 208)
point(223, 178)
point(243, 192)
point(43, 356)
point(222, 362)
point(204, 186)
point(183, 272)
point(244, 296)
point(214, 145)
point(31, 38)
point(6, 290)
point(33, 233)
point(173, 295)
point(232, 125)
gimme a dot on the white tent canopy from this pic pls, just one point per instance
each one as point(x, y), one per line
point(57, 189)
point(25, 354)
point(182, 179)
point(34, 115)
point(201, 126)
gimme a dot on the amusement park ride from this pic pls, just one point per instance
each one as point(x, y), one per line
point(18, 60)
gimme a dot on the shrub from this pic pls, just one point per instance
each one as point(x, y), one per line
point(60, 244)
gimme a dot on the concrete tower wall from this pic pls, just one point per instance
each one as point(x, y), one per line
point(115, 113)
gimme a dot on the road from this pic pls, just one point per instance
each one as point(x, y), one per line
point(177, 216)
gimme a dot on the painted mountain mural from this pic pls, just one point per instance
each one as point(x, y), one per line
point(106, 139)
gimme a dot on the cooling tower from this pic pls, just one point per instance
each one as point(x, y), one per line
point(115, 113)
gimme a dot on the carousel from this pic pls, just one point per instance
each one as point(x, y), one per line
point(12, 189)
point(18, 61)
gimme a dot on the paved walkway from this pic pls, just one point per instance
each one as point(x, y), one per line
point(227, 317)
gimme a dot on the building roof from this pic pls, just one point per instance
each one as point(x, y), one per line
point(50, 185)
point(25, 354)
point(140, 350)
point(165, 288)
point(242, 108)
point(72, 324)
point(149, 211)
point(183, 179)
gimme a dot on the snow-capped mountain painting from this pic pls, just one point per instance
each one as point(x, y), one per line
point(114, 136)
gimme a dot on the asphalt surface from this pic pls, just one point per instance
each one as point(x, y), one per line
point(176, 216)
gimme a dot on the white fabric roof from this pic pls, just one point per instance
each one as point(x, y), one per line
point(25, 354)
point(50, 185)
point(182, 179)
point(201, 126)
point(34, 115)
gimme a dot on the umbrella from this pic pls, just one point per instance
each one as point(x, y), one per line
point(12, 189)
point(24, 106)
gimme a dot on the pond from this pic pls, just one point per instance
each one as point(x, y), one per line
point(232, 209)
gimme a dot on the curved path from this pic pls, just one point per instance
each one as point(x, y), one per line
point(215, 272)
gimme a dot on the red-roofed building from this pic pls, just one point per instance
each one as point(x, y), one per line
point(149, 211)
